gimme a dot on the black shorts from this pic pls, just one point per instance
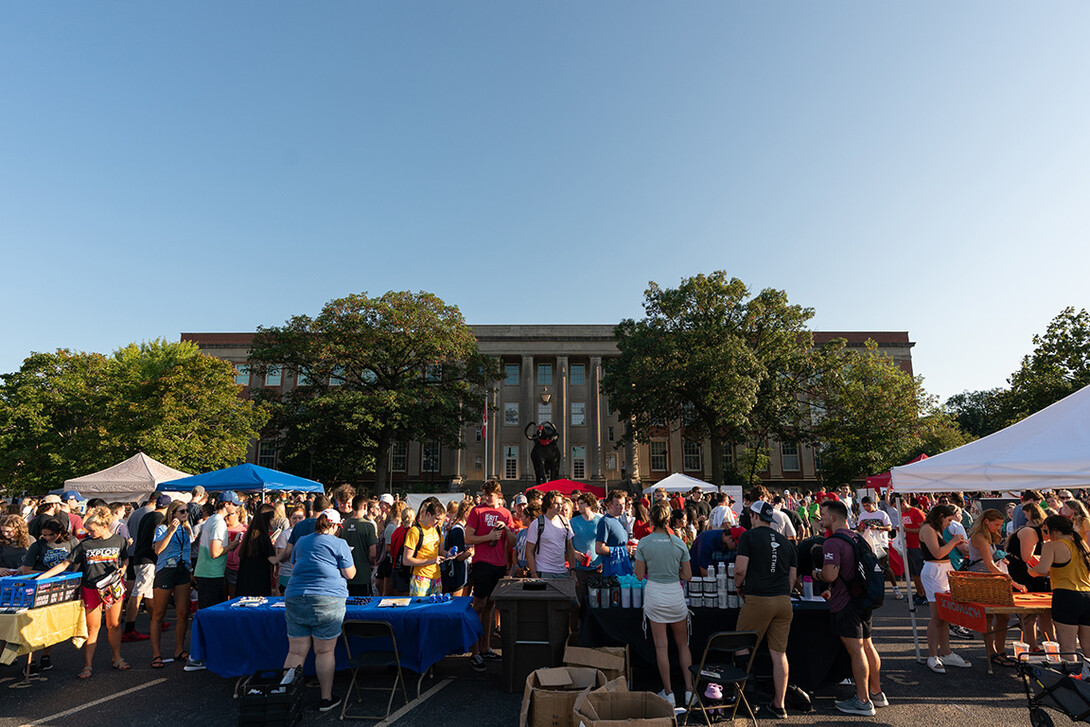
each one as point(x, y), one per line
point(485, 576)
point(852, 623)
point(915, 561)
point(384, 568)
point(1071, 608)
point(171, 578)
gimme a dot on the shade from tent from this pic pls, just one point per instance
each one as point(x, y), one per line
point(566, 487)
point(245, 478)
point(1048, 449)
point(133, 479)
point(678, 482)
point(879, 482)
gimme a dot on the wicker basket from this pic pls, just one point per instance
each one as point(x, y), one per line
point(992, 589)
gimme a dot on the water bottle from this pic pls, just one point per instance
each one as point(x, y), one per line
point(807, 587)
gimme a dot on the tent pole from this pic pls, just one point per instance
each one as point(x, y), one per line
point(910, 591)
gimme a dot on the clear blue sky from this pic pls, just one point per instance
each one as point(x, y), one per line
point(201, 166)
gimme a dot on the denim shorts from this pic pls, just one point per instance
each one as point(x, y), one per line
point(317, 616)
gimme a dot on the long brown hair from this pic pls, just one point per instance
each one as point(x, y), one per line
point(937, 514)
point(980, 527)
point(1063, 526)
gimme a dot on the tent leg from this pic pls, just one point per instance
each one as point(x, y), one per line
point(910, 591)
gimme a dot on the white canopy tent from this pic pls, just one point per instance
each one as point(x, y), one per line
point(133, 479)
point(678, 482)
point(415, 499)
point(1049, 449)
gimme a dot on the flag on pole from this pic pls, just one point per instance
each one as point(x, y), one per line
point(484, 421)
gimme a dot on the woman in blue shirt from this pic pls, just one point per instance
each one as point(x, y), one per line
point(314, 599)
point(172, 544)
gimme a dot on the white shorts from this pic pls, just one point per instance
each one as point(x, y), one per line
point(144, 586)
point(935, 578)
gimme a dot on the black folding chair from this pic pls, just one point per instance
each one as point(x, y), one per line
point(380, 652)
point(718, 665)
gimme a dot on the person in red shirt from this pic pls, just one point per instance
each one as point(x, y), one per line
point(490, 529)
point(913, 518)
point(642, 526)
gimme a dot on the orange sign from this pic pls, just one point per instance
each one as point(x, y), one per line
point(969, 615)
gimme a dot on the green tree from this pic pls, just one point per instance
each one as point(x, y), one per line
point(873, 416)
point(1058, 366)
point(726, 366)
point(399, 367)
point(980, 413)
point(66, 414)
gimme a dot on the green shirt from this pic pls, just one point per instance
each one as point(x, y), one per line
point(215, 528)
point(663, 553)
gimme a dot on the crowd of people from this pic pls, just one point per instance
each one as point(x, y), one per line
point(318, 550)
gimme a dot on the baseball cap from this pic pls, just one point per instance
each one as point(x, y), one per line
point(387, 498)
point(736, 532)
point(333, 515)
point(520, 499)
point(231, 497)
point(163, 501)
point(72, 495)
point(763, 510)
point(51, 500)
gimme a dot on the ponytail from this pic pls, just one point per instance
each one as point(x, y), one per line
point(1060, 524)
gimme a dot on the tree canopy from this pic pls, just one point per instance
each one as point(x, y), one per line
point(1058, 366)
point(725, 365)
point(375, 371)
point(67, 414)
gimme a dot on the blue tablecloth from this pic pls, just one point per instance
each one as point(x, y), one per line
point(234, 641)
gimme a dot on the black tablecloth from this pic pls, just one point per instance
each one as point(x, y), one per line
point(814, 653)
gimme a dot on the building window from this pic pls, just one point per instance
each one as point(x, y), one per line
point(611, 462)
point(511, 374)
point(433, 374)
point(266, 454)
point(368, 376)
point(610, 436)
point(272, 376)
point(477, 463)
point(544, 374)
point(817, 459)
point(399, 457)
point(510, 463)
point(609, 409)
point(429, 457)
point(728, 456)
point(242, 375)
point(578, 413)
point(789, 456)
point(302, 379)
point(691, 458)
point(478, 434)
point(338, 376)
point(544, 413)
point(578, 374)
point(511, 414)
point(578, 463)
point(658, 455)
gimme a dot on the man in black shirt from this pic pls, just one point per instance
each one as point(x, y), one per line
point(144, 560)
point(764, 572)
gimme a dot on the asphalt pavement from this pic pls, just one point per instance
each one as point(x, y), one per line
point(456, 696)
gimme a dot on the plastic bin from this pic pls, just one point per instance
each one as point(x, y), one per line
point(30, 592)
point(267, 699)
point(534, 625)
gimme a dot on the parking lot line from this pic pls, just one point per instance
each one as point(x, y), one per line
point(82, 707)
point(413, 704)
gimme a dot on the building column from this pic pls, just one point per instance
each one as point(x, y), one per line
point(562, 418)
point(458, 478)
point(529, 385)
point(595, 417)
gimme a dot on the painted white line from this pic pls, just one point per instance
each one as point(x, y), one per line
point(412, 705)
point(50, 718)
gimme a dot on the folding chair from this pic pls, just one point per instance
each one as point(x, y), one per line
point(380, 652)
point(718, 665)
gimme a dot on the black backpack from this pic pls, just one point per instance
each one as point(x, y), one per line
point(402, 569)
point(867, 586)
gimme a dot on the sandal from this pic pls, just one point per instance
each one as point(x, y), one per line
point(85, 673)
point(121, 665)
point(1002, 659)
point(184, 656)
point(156, 663)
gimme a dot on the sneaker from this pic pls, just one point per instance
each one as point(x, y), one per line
point(129, 636)
point(897, 595)
point(668, 697)
point(879, 699)
point(771, 711)
point(327, 704)
point(961, 632)
point(934, 663)
point(689, 699)
point(194, 665)
point(46, 662)
point(854, 706)
point(920, 600)
point(953, 659)
point(477, 663)
point(491, 656)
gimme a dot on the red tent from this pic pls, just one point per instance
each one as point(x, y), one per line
point(878, 482)
point(566, 487)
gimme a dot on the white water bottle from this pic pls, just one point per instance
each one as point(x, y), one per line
point(807, 587)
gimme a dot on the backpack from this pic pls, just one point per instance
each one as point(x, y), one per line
point(867, 586)
point(541, 531)
point(400, 568)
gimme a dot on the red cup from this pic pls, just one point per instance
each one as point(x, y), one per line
point(586, 560)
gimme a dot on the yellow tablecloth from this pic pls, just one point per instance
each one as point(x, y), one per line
point(22, 633)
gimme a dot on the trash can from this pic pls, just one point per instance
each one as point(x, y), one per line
point(534, 626)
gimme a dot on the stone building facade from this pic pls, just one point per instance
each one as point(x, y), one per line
point(554, 373)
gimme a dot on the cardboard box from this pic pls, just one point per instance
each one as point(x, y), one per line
point(550, 695)
point(613, 661)
point(604, 708)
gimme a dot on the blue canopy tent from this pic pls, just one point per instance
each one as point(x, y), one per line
point(243, 478)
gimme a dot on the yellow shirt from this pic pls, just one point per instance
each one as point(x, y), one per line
point(1073, 576)
point(428, 549)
